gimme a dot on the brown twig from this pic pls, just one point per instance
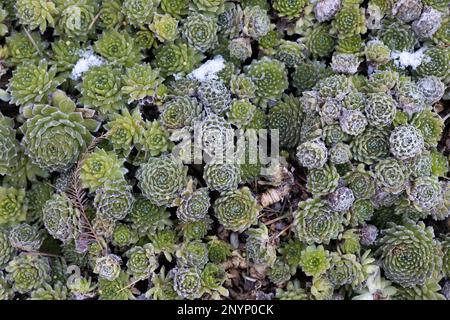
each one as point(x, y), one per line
point(77, 194)
point(44, 254)
point(33, 42)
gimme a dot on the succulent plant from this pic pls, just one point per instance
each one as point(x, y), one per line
point(117, 289)
point(425, 193)
point(408, 254)
point(155, 139)
point(65, 54)
point(141, 81)
point(222, 176)
point(141, 261)
point(139, 12)
point(20, 48)
point(218, 250)
point(162, 180)
point(406, 142)
point(241, 112)
point(429, 125)
point(124, 235)
point(390, 175)
point(319, 41)
point(214, 95)
point(12, 205)
point(341, 200)
point(54, 137)
point(101, 167)
point(118, 48)
point(289, 9)
point(27, 272)
point(61, 218)
point(345, 270)
point(361, 211)
point(370, 146)
point(286, 117)
point(213, 276)
point(165, 27)
point(260, 250)
point(314, 260)
point(113, 200)
point(125, 130)
point(175, 8)
point(340, 153)
point(293, 291)
point(164, 241)
point(9, 146)
point(322, 181)
point(187, 283)
point(176, 57)
point(315, 222)
point(256, 22)
point(111, 15)
point(25, 237)
point(361, 182)
point(193, 254)
point(312, 155)
point(269, 76)
point(377, 52)
point(75, 17)
point(36, 13)
point(47, 292)
point(108, 267)
point(180, 112)
point(353, 122)
point(397, 36)
point(200, 31)
point(279, 273)
point(101, 89)
point(380, 109)
point(147, 217)
point(3, 27)
point(33, 83)
point(236, 209)
point(216, 137)
point(431, 88)
point(349, 20)
point(6, 249)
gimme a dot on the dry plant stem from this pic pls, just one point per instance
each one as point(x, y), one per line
point(32, 41)
point(94, 20)
point(78, 195)
point(276, 219)
point(43, 254)
point(281, 232)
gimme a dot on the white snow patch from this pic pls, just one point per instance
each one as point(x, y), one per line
point(88, 59)
point(408, 59)
point(208, 70)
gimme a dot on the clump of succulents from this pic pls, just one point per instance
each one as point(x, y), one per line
point(127, 131)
